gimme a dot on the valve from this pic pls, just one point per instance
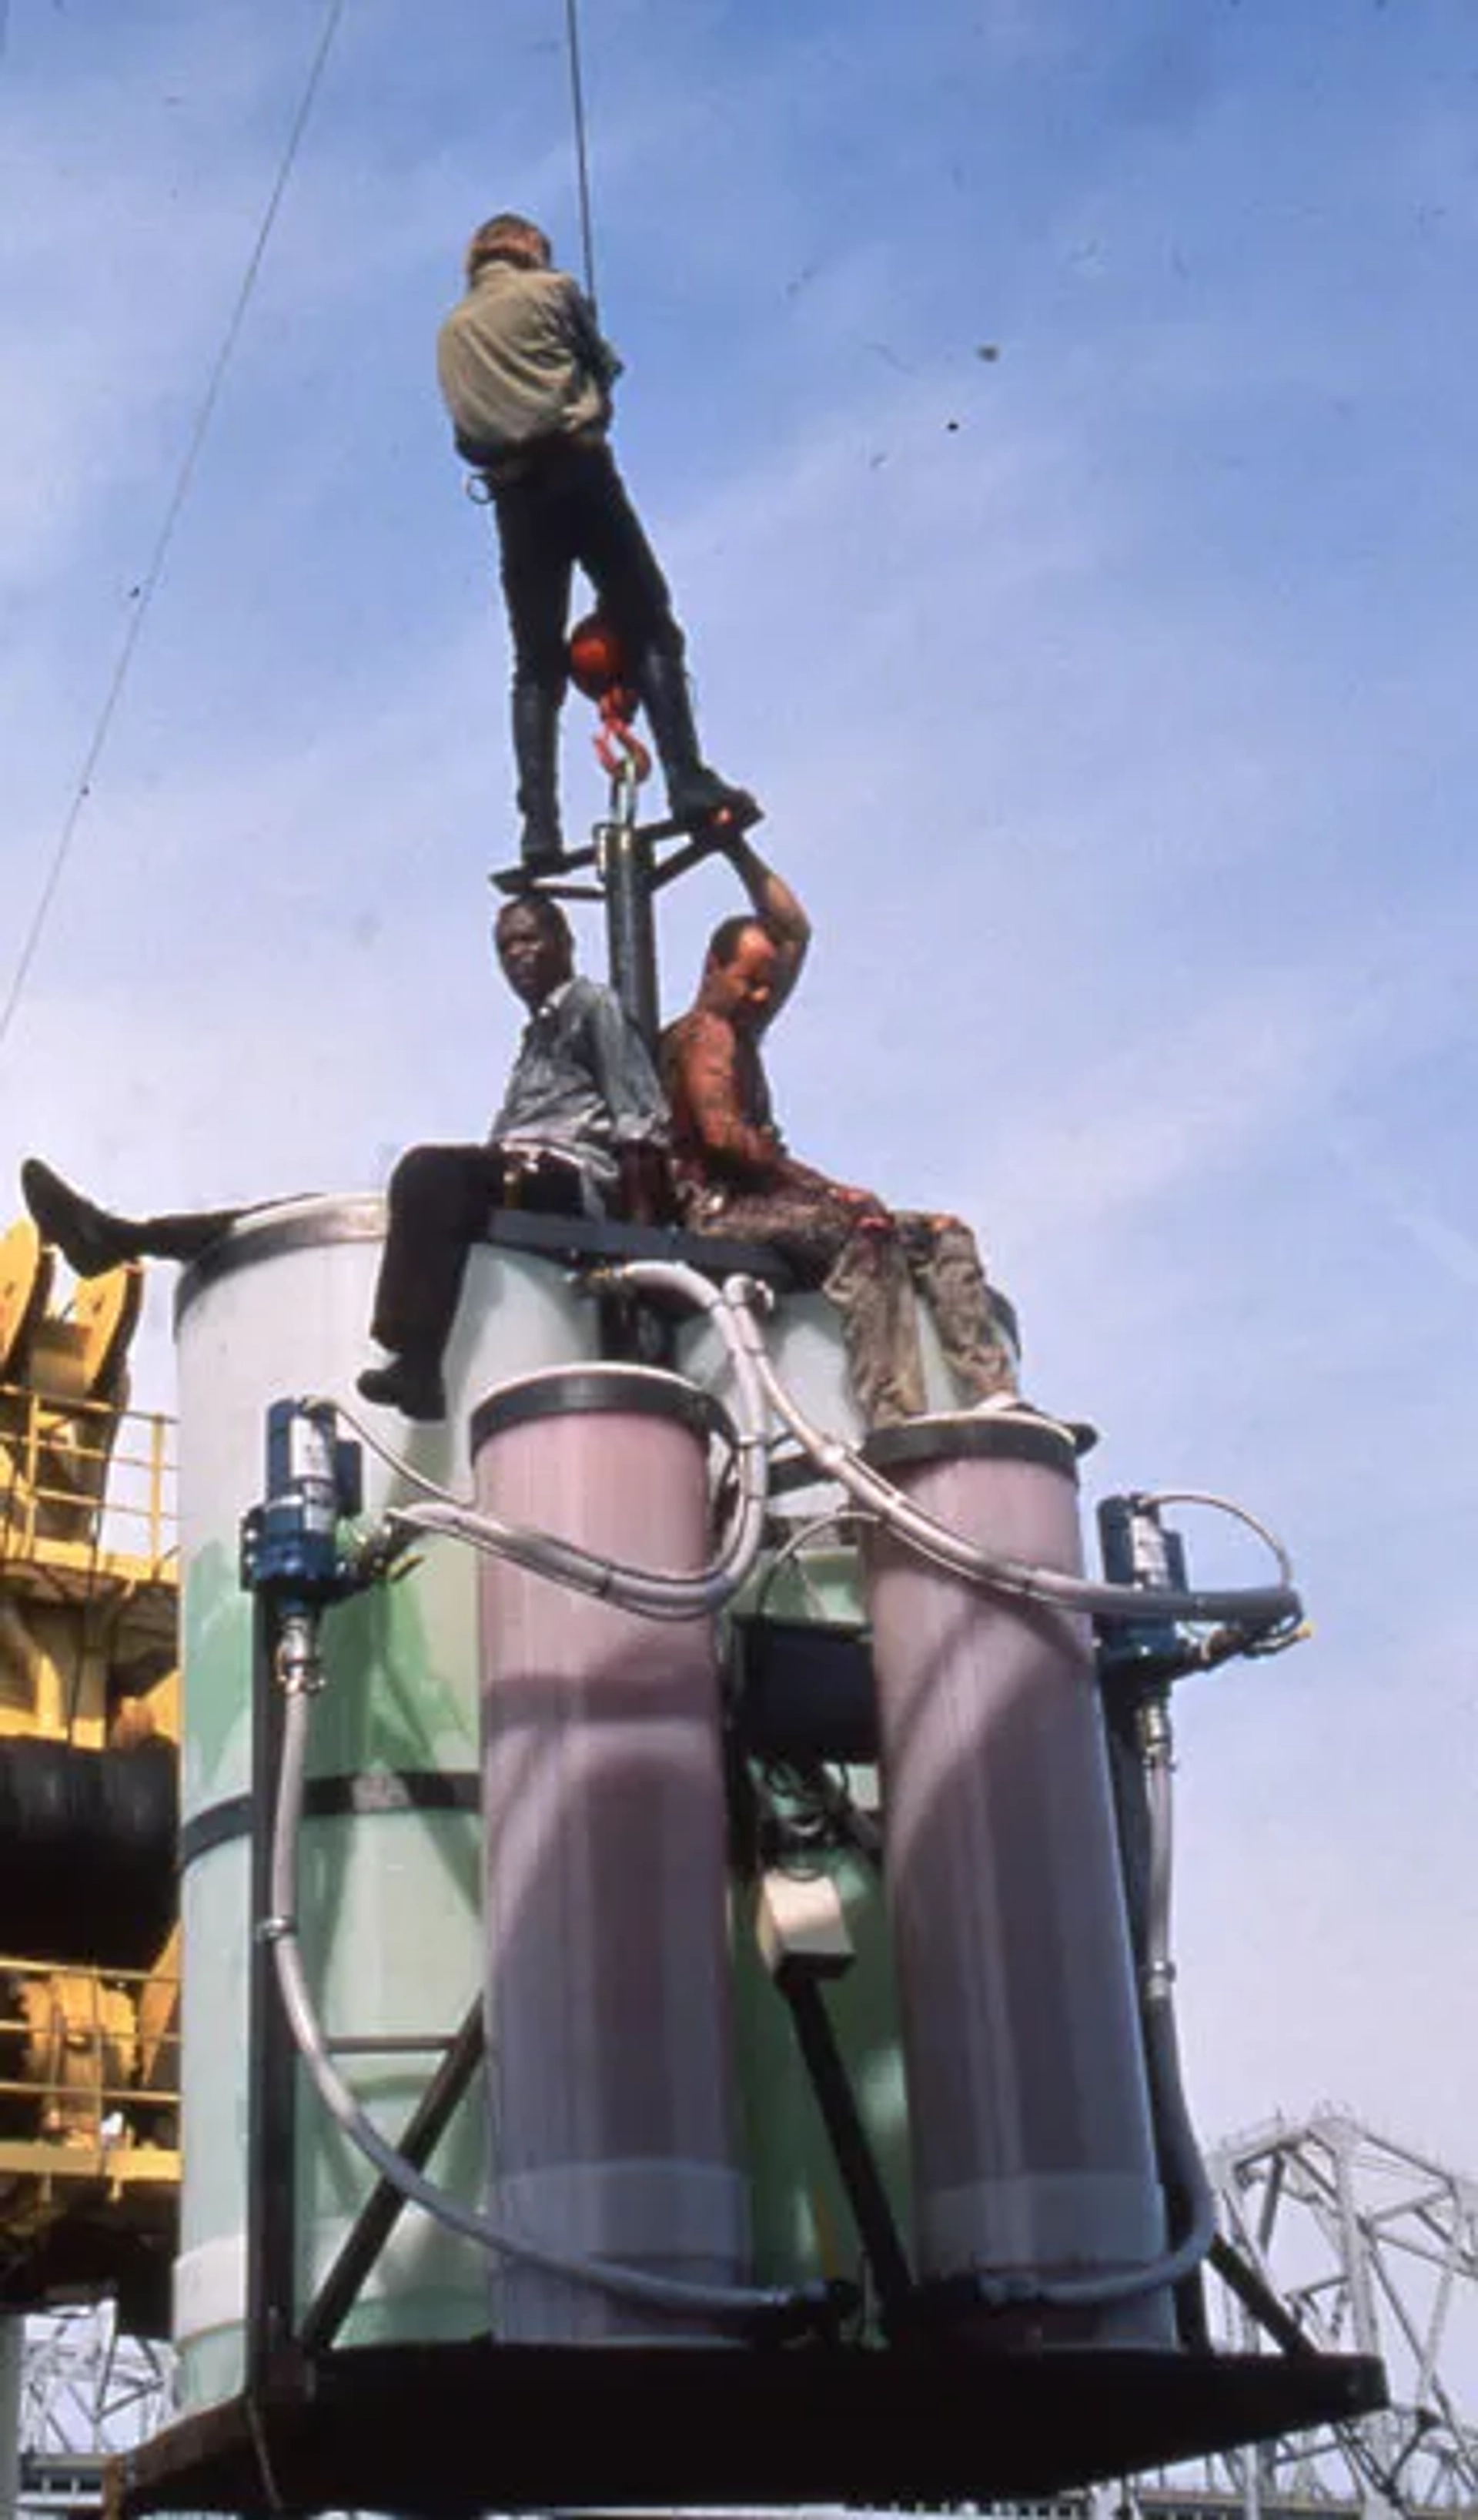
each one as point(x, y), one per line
point(1138, 1550)
point(315, 1481)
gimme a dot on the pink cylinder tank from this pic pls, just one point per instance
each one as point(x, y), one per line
point(1029, 2114)
point(610, 2062)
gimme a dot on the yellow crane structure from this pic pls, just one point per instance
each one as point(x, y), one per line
point(89, 1750)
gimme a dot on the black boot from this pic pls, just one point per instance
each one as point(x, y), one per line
point(405, 1384)
point(696, 794)
point(536, 752)
point(90, 1240)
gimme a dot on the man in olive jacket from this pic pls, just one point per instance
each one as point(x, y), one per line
point(527, 378)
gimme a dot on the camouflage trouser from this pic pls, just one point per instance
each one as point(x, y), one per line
point(870, 1273)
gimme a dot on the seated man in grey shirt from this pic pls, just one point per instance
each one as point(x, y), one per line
point(581, 1120)
point(583, 1104)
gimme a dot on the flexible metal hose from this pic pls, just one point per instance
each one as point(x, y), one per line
point(650, 1591)
point(1255, 1608)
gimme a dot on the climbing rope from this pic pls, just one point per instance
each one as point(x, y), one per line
point(149, 584)
point(582, 163)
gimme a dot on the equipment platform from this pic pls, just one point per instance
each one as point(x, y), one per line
point(463, 2428)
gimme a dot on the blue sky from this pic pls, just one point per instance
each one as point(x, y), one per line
point(1108, 697)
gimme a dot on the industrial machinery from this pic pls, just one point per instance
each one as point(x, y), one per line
point(678, 2003)
point(89, 1723)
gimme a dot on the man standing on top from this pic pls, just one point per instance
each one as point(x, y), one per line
point(736, 1176)
point(581, 1123)
point(527, 377)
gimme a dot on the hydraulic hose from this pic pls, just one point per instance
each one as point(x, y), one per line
point(1153, 1498)
point(1185, 2178)
point(1255, 1609)
point(652, 1593)
point(738, 2302)
point(1159, 1969)
point(1096, 2293)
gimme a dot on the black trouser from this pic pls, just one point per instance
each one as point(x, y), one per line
point(439, 1199)
point(181, 1237)
point(570, 508)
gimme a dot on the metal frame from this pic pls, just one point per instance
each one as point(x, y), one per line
point(87, 1487)
point(88, 1565)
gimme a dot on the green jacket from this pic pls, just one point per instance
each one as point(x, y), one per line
point(520, 359)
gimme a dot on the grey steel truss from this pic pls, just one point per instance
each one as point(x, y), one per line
point(87, 2391)
point(1373, 2249)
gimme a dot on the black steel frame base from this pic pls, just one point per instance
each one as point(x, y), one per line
point(463, 2428)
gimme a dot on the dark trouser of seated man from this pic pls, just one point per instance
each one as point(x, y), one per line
point(440, 1199)
point(439, 1202)
point(93, 1239)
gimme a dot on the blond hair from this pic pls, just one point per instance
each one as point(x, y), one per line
point(508, 238)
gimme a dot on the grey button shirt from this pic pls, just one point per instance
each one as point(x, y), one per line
point(582, 1084)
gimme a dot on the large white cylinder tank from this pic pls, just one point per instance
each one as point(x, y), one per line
point(1028, 2107)
point(611, 2040)
point(389, 1899)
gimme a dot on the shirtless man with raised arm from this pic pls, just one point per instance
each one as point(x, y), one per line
point(736, 1176)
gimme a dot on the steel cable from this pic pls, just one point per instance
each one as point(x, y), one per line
point(184, 481)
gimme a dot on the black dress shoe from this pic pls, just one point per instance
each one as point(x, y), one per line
point(89, 1240)
point(416, 1390)
point(700, 796)
point(542, 846)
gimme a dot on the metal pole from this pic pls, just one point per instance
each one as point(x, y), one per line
point(623, 853)
point(272, 2068)
point(865, 2193)
point(582, 170)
